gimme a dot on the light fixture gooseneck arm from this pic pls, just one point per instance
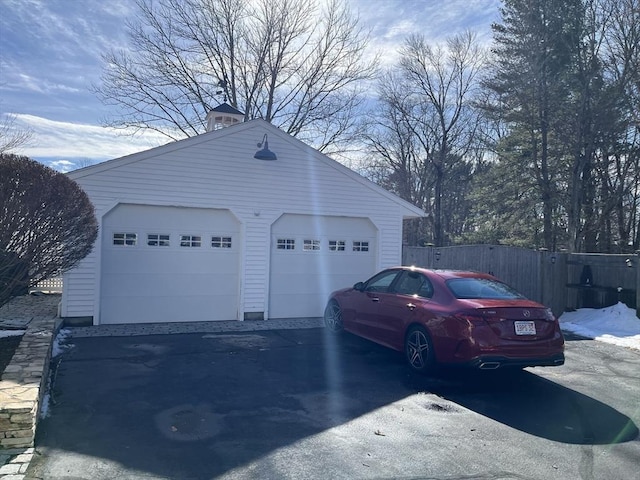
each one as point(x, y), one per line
point(265, 153)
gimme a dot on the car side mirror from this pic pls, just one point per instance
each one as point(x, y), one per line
point(359, 286)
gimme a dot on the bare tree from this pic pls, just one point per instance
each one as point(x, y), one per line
point(623, 53)
point(12, 136)
point(289, 62)
point(397, 160)
point(47, 224)
point(441, 81)
point(619, 167)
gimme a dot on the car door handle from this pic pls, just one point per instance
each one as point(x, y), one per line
point(411, 306)
point(375, 299)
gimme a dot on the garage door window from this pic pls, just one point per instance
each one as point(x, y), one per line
point(310, 245)
point(336, 245)
point(286, 244)
point(128, 239)
point(360, 246)
point(157, 240)
point(190, 241)
point(221, 242)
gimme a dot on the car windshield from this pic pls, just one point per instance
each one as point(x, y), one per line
point(481, 288)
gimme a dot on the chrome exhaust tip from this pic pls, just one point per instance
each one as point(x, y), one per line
point(489, 365)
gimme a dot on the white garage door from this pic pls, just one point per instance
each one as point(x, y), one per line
point(313, 255)
point(169, 264)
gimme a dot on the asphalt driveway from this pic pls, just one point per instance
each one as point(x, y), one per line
point(298, 404)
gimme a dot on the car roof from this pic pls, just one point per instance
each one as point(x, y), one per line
point(447, 274)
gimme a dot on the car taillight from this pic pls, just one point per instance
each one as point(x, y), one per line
point(548, 315)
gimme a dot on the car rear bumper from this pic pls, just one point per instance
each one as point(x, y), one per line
point(492, 362)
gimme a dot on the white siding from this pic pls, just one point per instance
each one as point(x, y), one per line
point(217, 170)
point(80, 287)
point(390, 251)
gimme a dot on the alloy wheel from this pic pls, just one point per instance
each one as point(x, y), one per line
point(333, 317)
point(418, 350)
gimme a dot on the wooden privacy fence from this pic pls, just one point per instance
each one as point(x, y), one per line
point(560, 280)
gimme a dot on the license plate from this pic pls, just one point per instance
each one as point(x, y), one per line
point(525, 328)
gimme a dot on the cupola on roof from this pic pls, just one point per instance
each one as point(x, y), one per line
point(224, 115)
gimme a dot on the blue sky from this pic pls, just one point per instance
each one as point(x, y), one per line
point(50, 55)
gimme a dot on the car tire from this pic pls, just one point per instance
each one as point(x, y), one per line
point(333, 317)
point(418, 350)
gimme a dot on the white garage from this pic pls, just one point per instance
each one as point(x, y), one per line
point(211, 228)
point(311, 256)
point(169, 264)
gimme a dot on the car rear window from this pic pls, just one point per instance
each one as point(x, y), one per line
point(481, 288)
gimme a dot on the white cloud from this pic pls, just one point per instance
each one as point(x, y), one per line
point(62, 142)
point(29, 83)
point(39, 85)
point(63, 165)
point(391, 22)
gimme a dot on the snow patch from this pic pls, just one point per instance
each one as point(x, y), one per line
point(44, 406)
point(58, 347)
point(11, 333)
point(60, 344)
point(617, 324)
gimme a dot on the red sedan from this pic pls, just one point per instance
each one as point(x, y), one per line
point(440, 317)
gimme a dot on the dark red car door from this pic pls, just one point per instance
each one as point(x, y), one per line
point(397, 307)
point(371, 305)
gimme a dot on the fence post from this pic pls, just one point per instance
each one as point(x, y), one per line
point(543, 276)
point(553, 281)
point(561, 280)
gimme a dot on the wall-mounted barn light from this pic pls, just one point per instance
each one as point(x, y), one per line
point(265, 153)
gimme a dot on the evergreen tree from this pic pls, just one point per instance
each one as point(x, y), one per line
point(535, 46)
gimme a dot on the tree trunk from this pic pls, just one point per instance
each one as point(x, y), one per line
point(438, 239)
